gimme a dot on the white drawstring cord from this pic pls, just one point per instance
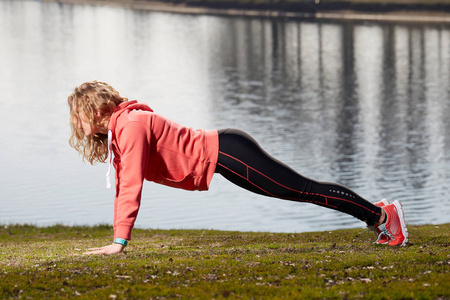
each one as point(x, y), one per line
point(108, 174)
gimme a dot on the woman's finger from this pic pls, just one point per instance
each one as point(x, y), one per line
point(99, 251)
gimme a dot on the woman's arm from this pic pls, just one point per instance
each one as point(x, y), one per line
point(134, 143)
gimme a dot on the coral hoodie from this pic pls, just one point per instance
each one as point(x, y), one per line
point(149, 146)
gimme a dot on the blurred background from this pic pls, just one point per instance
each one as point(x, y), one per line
point(361, 103)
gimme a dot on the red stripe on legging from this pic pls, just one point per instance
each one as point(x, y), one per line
point(288, 188)
point(270, 194)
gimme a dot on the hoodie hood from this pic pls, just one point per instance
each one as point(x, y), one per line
point(124, 106)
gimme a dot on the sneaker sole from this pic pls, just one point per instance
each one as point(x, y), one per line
point(401, 216)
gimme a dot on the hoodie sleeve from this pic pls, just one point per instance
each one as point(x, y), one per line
point(134, 144)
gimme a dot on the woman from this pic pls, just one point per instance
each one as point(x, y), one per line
point(147, 146)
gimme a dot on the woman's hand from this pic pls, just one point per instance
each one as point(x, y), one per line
point(110, 249)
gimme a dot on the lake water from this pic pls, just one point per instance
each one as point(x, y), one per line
point(363, 104)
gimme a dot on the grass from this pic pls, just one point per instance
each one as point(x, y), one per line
point(37, 263)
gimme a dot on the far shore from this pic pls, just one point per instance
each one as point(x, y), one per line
point(405, 16)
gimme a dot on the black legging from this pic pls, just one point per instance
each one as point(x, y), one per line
point(243, 162)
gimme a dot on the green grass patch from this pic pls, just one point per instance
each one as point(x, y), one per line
point(37, 263)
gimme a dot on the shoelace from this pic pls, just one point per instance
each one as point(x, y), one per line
point(368, 229)
point(384, 231)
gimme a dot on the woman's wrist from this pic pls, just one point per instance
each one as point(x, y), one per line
point(121, 241)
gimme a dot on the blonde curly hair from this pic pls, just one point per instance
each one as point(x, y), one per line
point(95, 101)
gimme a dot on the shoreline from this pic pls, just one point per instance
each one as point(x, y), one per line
point(403, 16)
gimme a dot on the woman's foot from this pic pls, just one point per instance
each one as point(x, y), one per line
point(394, 229)
point(382, 239)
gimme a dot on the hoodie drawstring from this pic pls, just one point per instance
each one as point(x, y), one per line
point(108, 174)
point(124, 106)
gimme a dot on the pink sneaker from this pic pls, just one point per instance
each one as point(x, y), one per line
point(395, 228)
point(381, 238)
point(382, 203)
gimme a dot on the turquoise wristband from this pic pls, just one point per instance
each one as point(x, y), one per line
point(121, 241)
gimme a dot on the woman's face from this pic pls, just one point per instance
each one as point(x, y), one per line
point(82, 122)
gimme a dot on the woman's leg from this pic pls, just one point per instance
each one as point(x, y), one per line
point(243, 162)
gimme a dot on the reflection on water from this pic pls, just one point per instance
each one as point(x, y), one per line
point(362, 104)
